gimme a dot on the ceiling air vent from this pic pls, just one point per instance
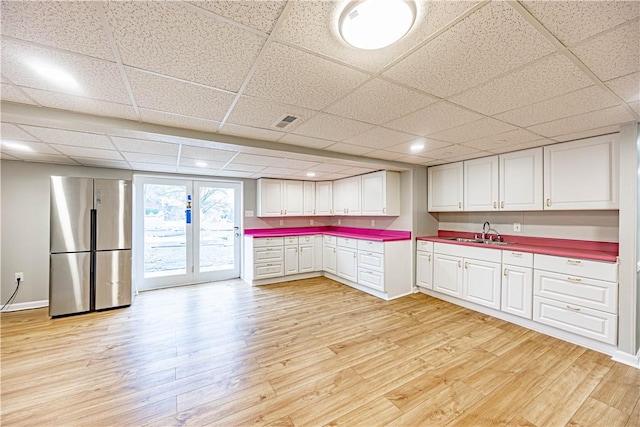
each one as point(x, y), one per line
point(285, 121)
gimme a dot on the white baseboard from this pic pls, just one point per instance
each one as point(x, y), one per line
point(627, 359)
point(28, 305)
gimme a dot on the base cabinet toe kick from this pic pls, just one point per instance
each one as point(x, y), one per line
point(569, 298)
point(378, 268)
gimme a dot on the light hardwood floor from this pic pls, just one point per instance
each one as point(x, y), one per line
point(305, 353)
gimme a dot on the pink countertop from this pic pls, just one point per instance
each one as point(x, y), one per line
point(352, 233)
point(598, 251)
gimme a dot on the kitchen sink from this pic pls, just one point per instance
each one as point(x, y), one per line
point(484, 242)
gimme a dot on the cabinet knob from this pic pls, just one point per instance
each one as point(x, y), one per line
point(548, 202)
point(502, 204)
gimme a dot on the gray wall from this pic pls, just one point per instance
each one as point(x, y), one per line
point(25, 224)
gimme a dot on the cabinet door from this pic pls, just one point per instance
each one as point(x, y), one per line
point(447, 274)
point(582, 174)
point(481, 184)
point(329, 258)
point(517, 290)
point(352, 194)
point(374, 193)
point(270, 197)
point(324, 198)
point(445, 187)
point(424, 269)
point(309, 196)
point(339, 197)
point(521, 180)
point(347, 263)
point(306, 258)
point(293, 198)
point(481, 283)
point(290, 260)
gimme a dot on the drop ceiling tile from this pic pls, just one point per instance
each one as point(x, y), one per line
point(134, 158)
point(178, 121)
point(11, 131)
point(144, 146)
point(96, 78)
point(152, 167)
point(474, 130)
point(261, 15)
point(469, 156)
point(429, 144)
point(4, 156)
point(206, 154)
point(298, 164)
point(12, 93)
point(626, 87)
point(587, 133)
point(303, 175)
point(73, 26)
point(385, 155)
point(379, 138)
point(434, 118)
point(449, 152)
point(197, 171)
point(357, 171)
point(63, 101)
point(635, 106)
point(305, 141)
point(95, 153)
point(365, 103)
point(318, 35)
point(552, 76)
point(173, 96)
point(330, 127)
point(612, 54)
point(234, 174)
point(571, 104)
point(489, 42)
point(349, 149)
point(489, 143)
point(265, 113)
point(238, 167)
point(30, 147)
point(195, 163)
point(592, 120)
point(517, 147)
point(101, 163)
point(291, 76)
point(437, 162)
point(574, 21)
point(328, 168)
point(171, 39)
point(251, 132)
point(279, 171)
point(58, 159)
point(252, 159)
point(69, 137)
point(416, 160)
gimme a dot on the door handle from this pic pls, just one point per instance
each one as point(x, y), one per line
point(502, 204)
point(548, 202)
point(495, 205)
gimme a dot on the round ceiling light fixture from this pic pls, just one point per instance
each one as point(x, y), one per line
point(374, 24)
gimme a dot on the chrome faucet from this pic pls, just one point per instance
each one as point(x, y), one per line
point(486, 228)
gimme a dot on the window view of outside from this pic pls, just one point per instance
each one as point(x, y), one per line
point(216, 228)
point(165, 236)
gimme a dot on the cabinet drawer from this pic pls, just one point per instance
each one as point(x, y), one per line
point(268, 241)
point(521, 259)
point(591, 293)
point(371, 278)
point(423, 245)
point(347, 243)
point(306, 239)
point(267, 254)
point(269, 269)
point(329, 239)
point(371, 246)
point(473, 252)
point(607, 271)
point(291, 240)
point(371, 260)
point(583, 321)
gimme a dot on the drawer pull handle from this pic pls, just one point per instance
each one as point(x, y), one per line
point(548, 202)
point(459, 205)
point(429, 258)
point(384, 210)
point(574, 279)
point(572, 308)
point(460, 264)
point(516, 254)
point(506, 272)
point(466, 265)
point(502, 204)
point(495, 205)
point(574, 262)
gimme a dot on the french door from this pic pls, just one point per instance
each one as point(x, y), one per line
point(187, 231)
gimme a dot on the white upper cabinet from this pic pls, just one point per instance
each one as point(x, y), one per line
point(481, 184)
point(346, 196)
point(309, 196)
point(521, 180)
point(381, 193)
point(445, 188)
point(278, 197)
point(293, 198)
point(582, 174)
point(324, 198)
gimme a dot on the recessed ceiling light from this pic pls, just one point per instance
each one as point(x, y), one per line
point(311, 174)
point(416, 147)
point(54, 74)
point(374, 24)
point(201, 164)
point(16, 146)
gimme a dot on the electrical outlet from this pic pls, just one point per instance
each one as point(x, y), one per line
point(517, 227)
point(373, 222)
point(310, 222)
point(282, 222)
point(19, 276)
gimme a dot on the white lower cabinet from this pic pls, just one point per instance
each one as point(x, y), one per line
point(347, 263)
point(329, 254)
point(290, 260)
point(371, 264)
point(306, 258)
point(517, 283)
point(267, 258)
point(424, 264)
point(447, 274)
point(481, 282)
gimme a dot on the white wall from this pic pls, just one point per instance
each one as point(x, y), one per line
point(25, 224)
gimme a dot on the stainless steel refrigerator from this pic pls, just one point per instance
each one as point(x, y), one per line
point(90, 245)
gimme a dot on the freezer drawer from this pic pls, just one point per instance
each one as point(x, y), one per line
point(69, 283)
point(113, 214)
point(71, 204)
point(113, 279)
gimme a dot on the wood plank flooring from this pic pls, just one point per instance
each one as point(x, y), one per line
point(305, 353)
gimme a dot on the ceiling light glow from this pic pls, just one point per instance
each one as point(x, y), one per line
point(54, 74)
point(15, 146)
point(417, 147)
point(201, 164)
point(311, 174)
point(374, 24)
